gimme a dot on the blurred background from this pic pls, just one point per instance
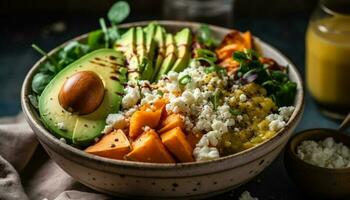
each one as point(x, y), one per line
point(49, 23)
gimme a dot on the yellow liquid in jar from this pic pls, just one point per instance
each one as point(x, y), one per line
point(328, 61)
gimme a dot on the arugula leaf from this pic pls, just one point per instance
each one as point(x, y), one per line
point(276, 82)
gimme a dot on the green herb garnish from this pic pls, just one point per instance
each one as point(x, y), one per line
point(276, 82)
point(207, 54)
point(160, 93)
point(204, 37)
point(235, 112)
point(118, 12)
point(185, 79)
point(216, 99)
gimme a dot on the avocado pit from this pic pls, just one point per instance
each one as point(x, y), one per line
point(82, 93)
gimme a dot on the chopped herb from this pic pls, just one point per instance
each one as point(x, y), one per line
point(215, 68)
point(185, 79)
point(235, 111)
point(160, 93)
point(216, 99)
point(281, 90)
point(207, 54)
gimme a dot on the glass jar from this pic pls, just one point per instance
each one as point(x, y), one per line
point(328, 57)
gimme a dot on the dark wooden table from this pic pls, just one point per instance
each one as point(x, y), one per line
point(286, 34)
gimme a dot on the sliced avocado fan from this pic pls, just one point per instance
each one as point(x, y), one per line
point(159, 39)
point(170, 56)
point(145, 64)
point(81, 130)
point(183, 41)
point(127, 44)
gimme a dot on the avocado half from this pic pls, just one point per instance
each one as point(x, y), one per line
point(83, 129)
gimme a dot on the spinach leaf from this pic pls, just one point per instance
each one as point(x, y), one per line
point(205, 37)
point(276, 82)
point(39, 82)
point(118, 12)
point(95, 39)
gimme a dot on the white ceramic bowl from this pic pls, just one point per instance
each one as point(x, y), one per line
point(165, 181)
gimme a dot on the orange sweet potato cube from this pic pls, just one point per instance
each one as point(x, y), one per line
point(175, 141)
point(114, 145)
point(149, 148)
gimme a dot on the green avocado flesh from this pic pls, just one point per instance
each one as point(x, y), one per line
point(151, 52)
point(83, 129)
point(183, 41)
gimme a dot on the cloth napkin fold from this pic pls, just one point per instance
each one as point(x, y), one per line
point(22, 157)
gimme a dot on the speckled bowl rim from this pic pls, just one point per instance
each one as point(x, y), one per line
point(298, 138)
point(35, 121)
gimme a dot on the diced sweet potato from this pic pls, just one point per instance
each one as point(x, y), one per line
point(193, 138)
point(141, 119)
point(114, 145)
point(149, 148)
point(157, 105)
point(176, 143)
point(172, 121)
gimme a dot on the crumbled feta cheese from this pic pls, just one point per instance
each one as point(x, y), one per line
point(325, 153)
point(206, 153)
point(243, 98)
point(131, 97)
point(63, 140)
point(276, 125)
point(129, 112)
point(219, 126)
point(61, 126)
point(246, 196)
point(286, 112)
point(278, 121)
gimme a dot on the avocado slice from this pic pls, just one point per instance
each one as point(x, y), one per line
point(170, 56)
point(183, 41)
point(150, 32)
point(81, 130)
point(127, 44)
point(145, 64)
point(159, 39)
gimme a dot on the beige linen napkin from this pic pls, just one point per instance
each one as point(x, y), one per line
point(22, 158)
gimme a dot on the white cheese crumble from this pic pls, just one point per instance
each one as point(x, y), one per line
point(61, 126)
point(131, 97)
point(242, 97)
point(325, 153)
point(246, 196)
point(117, 121)
point(279, 121)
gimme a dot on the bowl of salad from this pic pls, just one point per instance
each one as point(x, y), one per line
point(164, 108)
